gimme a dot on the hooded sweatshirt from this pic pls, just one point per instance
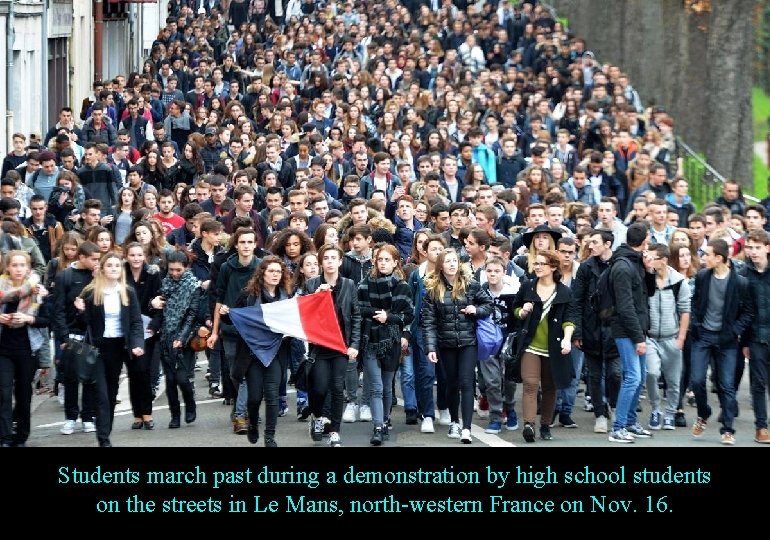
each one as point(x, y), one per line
point(665, 307)
point(233, 278)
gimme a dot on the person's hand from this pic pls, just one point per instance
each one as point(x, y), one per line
point(526, 309)
point(352, 353)
point(205, 285)
point(469, 310)
point(380, 316)
point(641, 348)
point(158, 302)
point(20, 319)
point(153, 268)
point(80, 304)
point(106, 220)
point(63, 197)
point(433, 357)
point(176, 344)
point(224, 310)
point(74, 217)
point(137, 351)
point(746, 353)
point(212, 340)
point(566, 346)
point(6, 319)
point(578, 343)
point(324, 287)
point(680, 342)
point(404, 344)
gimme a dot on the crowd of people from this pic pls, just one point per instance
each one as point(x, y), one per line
point(432, 163)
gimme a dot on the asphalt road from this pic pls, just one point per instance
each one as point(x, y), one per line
point(214, 429)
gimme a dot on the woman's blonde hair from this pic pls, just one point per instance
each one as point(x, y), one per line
point(98, 285)
point(435, 285)
point(532, 253)
point(15, 253)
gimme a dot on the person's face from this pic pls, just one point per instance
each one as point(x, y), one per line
point(91, 217)
point(711, 225)
point(135, 257)
point(8, 191)
point(451, 265)
point(472, 246)
point(143, 235)
point(218, 193)
point(730, 192)
point(104, 242)
point(658, 177)
point(359, 214)
point(536, 217)
point(658, 214)
point(149, 200)
point(385, 262)
point(202, 193)
point(405, 210)
point(245, 203)
point(166, 205)
point(246, 245)
point(424, 168)
point(542, 267)
point(606, 213)
point(458, 219)
point(541, 241)
point(710, 259)
point(331, 261)
point(360, 243)
point(754, 221)
point(273, 274)
point(297, 203)
point(18, 268)
point(175, 270)
point(383, 167)
point(555, 217)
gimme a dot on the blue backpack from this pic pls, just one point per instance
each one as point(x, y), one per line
point(489, 338)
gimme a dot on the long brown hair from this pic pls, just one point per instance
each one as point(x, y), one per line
point(256, 284)
point(374, 273)
point(435, 285)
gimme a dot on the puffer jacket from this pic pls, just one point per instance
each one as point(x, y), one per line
point(346, 303)
point(443, 322)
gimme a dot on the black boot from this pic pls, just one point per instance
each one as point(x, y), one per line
point(376, 439)
point(253, 434)
point(190, 414)
point(270, 440)
point(174, 423)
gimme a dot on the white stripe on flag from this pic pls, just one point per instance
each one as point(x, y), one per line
point(283, 318)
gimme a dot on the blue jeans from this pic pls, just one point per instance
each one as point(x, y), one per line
point(703, 349)
point(759, 364)
point(297, 352)
point(565, 398)
point(381, 382)
point(424, 375)
point(407, 382)
point(242, 396)
point(634, 367)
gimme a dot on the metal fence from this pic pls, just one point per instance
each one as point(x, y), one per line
point(705, 181)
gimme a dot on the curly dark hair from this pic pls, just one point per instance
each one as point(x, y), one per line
point(278, 247)
point(256, 283)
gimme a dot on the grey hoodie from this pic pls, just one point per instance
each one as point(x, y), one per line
point(665, 309)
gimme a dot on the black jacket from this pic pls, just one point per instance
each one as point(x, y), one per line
point(736, 315)
point(443, 324)
point(67, 319)
point(562, 369)
point(758, 302)
point(632, 286)
point(147, 288)
point(346, 303)
point(509, 168)
point(130, 320)
point(597, 338)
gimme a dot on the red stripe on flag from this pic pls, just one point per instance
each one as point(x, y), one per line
point(319, 321)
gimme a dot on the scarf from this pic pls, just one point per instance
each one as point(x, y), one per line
point(29, 294)
point(178, 295)
point(393, 295)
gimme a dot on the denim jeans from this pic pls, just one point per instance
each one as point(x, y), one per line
point(759, 368)
point(382, 387)
point(407, 382)
point(704, 349)
point(297, 352)
point(565, 398)
point(424, 377)
point(327, 381)
point(242, 393)
point(262, 383)
point(459, 366)
point(634, 368)
point(603, 383)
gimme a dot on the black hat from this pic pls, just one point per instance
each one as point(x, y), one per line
point(211, 131)
point(528, 236)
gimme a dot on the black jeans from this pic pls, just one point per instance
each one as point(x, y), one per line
point(17, 369)
point(139, 381)
point(69, 369)
point(262, 383)
point(603, 382)
point(460, 366)
point(112, 354)
point(328, 376)
point(178, 376)
point(759, 369)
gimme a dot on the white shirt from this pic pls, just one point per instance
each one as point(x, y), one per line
point(112, 325)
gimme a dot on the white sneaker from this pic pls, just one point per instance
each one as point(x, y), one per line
point(350, 414)
point(454, 431)
point(601, 425)
point(334, 439)
point(89, 427)
point(444, 419)
point(365, 413)
point(465, 437)
point(68, 428)
point(427, 425)
point(60, 395)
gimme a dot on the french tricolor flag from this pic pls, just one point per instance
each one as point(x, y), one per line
point(311, 318)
